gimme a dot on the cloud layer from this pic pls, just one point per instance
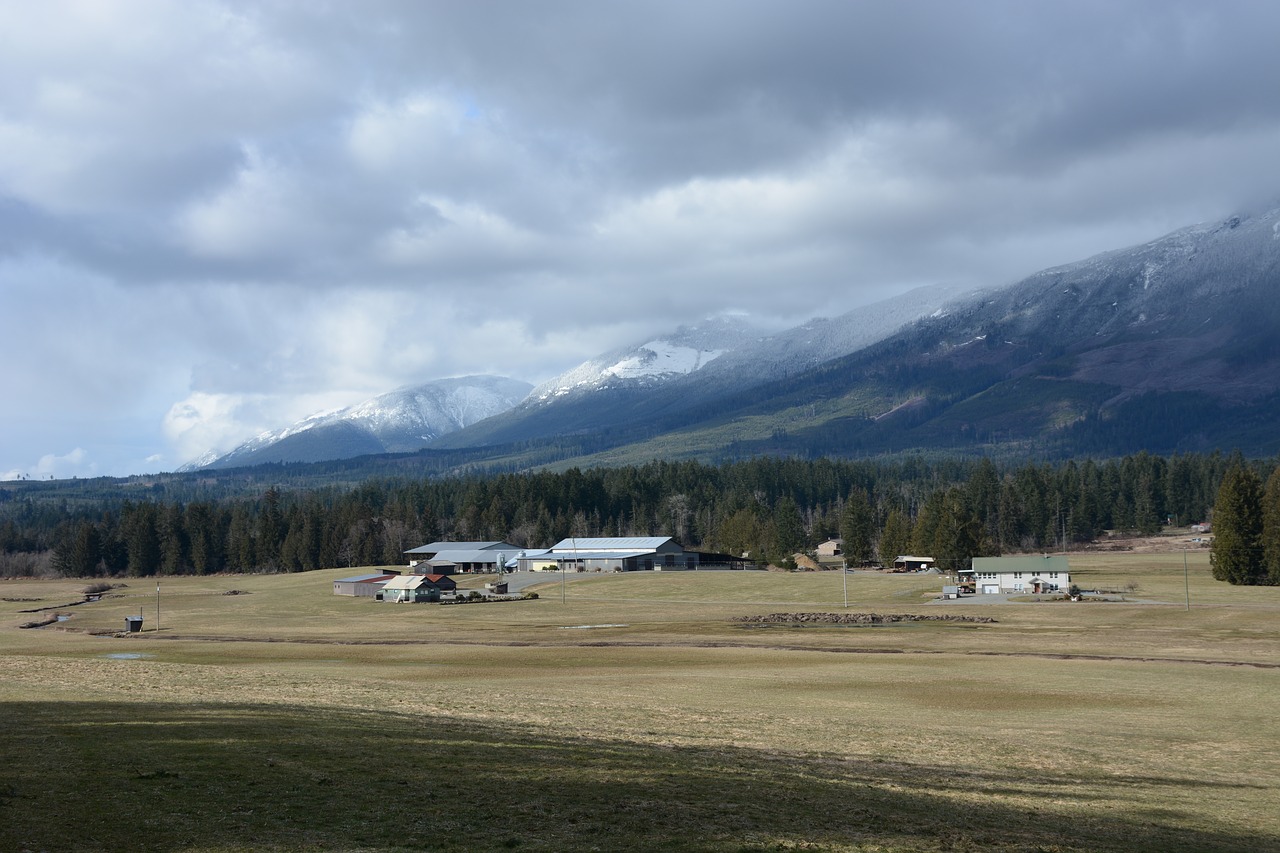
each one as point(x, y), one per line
point(218, 217)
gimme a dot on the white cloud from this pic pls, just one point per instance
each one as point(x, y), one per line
point(52, 466)
point(259, 210)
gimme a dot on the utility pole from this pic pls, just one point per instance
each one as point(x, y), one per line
point(157, 605)
point(1186, 577)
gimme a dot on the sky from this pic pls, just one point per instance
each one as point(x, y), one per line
point(219, 217)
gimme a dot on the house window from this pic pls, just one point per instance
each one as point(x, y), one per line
point(1017, 574)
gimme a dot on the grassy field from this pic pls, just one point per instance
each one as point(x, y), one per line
point(638, 714)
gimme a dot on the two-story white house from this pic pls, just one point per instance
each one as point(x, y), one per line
point(1018, 574)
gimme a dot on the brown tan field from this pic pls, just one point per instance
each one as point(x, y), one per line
point(638, 714)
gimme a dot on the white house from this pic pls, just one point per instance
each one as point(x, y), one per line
point(416, 587)
point(1018, 574)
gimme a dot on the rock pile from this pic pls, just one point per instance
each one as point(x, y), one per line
point(858, 618)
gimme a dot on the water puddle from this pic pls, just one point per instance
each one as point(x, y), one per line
point(127, 656)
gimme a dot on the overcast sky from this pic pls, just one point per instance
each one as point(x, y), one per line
point(219, 217)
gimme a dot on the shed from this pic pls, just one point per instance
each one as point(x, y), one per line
point(908, 563)
point(362, 585)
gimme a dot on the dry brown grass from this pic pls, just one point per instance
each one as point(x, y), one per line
point(915, 737)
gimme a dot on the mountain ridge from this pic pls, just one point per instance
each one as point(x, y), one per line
point(402, 420)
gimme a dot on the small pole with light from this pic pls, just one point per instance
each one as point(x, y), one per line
point(844, 576)
point(157, 605)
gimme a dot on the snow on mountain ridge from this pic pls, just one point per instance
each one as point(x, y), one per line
point(398, 421)
point(661, 358)
point(688, 349)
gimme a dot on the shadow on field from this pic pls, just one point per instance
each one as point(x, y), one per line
point(136, 776)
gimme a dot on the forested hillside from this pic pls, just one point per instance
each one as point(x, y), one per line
point(950, 508)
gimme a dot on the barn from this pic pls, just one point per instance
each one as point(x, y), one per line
point(365, 586)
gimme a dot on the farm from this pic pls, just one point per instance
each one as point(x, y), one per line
point(639, 711)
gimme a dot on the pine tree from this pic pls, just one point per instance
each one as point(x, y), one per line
point(895, 539)
point(1237, 528)
point(82, 556)
point(1271, 527)
point(958, 535)
point(857, 527)
point(788, 529)
point(142, 540)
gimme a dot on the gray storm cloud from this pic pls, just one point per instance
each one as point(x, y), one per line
point(216, 217)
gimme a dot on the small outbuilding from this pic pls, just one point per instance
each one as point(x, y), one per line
point(908, 563)
point(364, 586)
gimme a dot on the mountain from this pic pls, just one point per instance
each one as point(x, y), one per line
point(684, 351)
point(400, 421)
point(673, 379)
point(1170, 346)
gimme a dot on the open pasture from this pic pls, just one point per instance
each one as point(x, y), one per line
point(285, 718)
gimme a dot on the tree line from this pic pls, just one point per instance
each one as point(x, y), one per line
point(767, 508)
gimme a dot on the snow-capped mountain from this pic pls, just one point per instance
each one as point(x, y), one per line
point(689, 369)
point(1168, 346)
point(1196, 310)
point(1172, 345)
point(687, 349)
point(400, 421)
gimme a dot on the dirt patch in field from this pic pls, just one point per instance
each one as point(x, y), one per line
point(1176, 539)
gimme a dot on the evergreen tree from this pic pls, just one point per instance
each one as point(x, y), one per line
point(1236, 553)
point(270, 530)
point(1271, 527)
point(82, 556)
point(958, 534)
point(142, 540)
point(788, 529)
point(895, 539)
point(740, 534)
point(857, 527)
point(1146, 517)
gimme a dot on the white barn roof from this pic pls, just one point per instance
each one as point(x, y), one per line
point(640, 544)
point(405, 582)
point(435, 547)
point(452, 556)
